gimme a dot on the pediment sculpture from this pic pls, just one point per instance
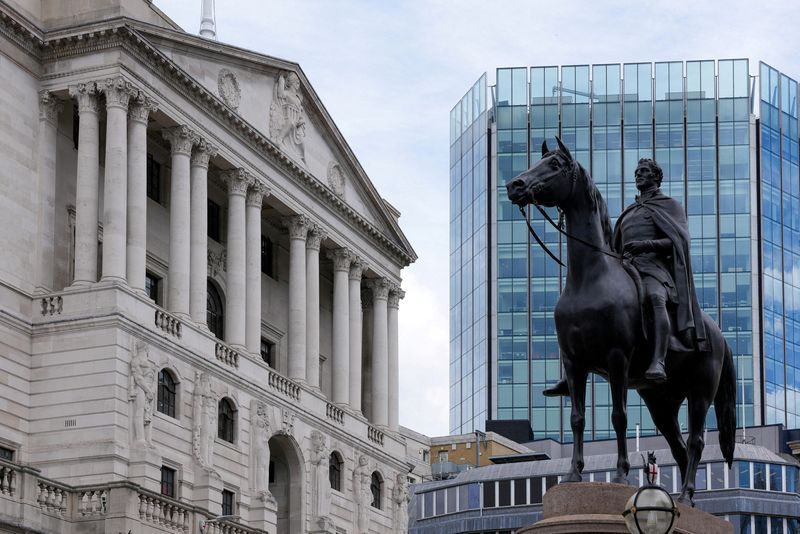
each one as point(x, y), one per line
point(287, 123)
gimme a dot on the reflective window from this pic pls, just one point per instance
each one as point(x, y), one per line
point(167, 388)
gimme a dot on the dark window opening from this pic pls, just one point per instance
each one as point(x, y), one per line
point(226, 417)
point(266, 256)
point(167, 481)
point(152, 286)
point(376, 486)
point(271, 475)
point(153, 179)
point(214, 313)
point(214, 221)
point(76, 126)
point(7, 454)
point(335, 465)
point(166, 393)
point(227, 502)
point(268, 352)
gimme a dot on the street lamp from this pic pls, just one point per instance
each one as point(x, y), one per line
point(651, 509)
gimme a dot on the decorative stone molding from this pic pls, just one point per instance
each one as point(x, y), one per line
point(287, 422)
point(204, 421)
point(316, 235)
point(49, 107)
point(118, 92)
point(256, 194)
point(298, 226)
point(366, 298)
point(261, 428)
point(203, 151)
point(141, 107)
point(237, 180)
point(217, 262)
point(181, 139)
point(287, 124)
point(395, 294)
point(341, 259)
point(141, 393)
point(86, 95)
point(357, 268)
point(336, 178)
point(380, 288)
point(228, 89)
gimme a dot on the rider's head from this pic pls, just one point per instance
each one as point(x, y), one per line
point(655, 171)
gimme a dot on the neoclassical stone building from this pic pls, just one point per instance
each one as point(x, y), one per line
point(199, 288)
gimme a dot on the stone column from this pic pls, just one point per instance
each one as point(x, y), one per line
point(49, 108)
point(380, 352)
point(138, 112)
point(87, 187)
point(394, 357)
point(115, 186)
point(357, 268)
point(181, 140)
point(340, 368)
point(298, 229)
point(255, 197)
point(198, 221)
point(235, 291)
point(313, 242)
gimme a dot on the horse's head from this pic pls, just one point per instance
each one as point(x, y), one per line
point(549, 182)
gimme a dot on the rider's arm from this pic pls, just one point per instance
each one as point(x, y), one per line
point(659, 245)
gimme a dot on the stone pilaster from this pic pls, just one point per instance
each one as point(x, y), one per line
point(86, 193)
point(198, 221)
point(393, 304)
point(49, 108)
point(238, 180)
point(255, 198)
point(181, 140)
point(340, 368)
point(139, 110)
point(357, 268)
point(380, 352)
point(298, 226)
point(315, 237)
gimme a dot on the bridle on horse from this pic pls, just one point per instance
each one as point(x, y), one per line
point(573, 177)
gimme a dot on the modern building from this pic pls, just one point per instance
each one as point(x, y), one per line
point(759, 495)
point(725, 133)
point(450, 455)
point(199, 288)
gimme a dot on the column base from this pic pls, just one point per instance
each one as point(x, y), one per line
point(81, 284)
point(111, 280)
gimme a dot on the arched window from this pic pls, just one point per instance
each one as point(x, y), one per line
point(215, 315)
point(226, 419)
point(335, 465)
point(166, 393)
point(376, 486)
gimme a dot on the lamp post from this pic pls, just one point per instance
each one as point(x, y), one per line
point(651, 509)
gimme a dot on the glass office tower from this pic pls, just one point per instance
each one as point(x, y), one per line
point(728, 144)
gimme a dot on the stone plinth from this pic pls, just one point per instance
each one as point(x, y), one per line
point(596, 508)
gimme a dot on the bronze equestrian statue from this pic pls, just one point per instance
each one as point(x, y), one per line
point(629, 312)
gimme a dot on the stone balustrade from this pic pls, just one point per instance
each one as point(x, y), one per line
point(227, 354)
point(52, 497)
point(168, 323)
point(52, 305)
point(164, 512)
point(283, 385)
point(334, 413)
point(92, 502)
point(8, 480)
point(375, 435)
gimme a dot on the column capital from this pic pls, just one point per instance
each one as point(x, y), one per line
point(118, 92)
point(140, 107)
point(86, 95)
point(237, 180)
point(256, 194)
point(380, 288)
point(316, 234)
point(181, 139)
point(341, 259)
point(49, 107)
point(203, 151)
point(357, 268)
point(395, 294)
point(298, 226)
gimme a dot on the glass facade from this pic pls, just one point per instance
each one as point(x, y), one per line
point(696, 119)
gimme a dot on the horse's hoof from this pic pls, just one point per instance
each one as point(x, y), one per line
point(572, 477)
point(619, 480)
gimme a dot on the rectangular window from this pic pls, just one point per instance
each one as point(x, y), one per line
point(228, 498)
point(6, 454)
point(759, 475)
point(268, 352)
point(488, 494)
point(167, 481)
point(442, 456)
point(266, 256)
point(504, 493)
point(153, 179)
point(214, 221)
point(744, 475)
point(152, 286)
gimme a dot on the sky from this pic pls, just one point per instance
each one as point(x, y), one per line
point(388, 72)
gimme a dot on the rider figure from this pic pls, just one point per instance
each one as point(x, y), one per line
point(653, 236)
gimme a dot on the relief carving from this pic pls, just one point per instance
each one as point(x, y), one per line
point(141, 392)
point(204, 425)
point(336, 178)
point(228, 89)
point(287, 125)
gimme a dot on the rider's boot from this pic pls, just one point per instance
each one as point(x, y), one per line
point(561, 389)
point(661, 330)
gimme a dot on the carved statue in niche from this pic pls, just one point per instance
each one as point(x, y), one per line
point(287, 126)
point(321, 483)
point(400, 498)
point(260, 434)
point(228, 89)
point(336, 178)
point(204, 427)
point(141, 393)
point(362, 494)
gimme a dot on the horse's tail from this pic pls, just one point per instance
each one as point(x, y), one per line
point(725, 406)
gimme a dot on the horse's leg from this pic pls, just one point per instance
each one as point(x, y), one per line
point(618, 382)
point(664, 408)
point(576, 380)
point(698, 409)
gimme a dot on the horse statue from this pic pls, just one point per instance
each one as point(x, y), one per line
point(600, 329)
